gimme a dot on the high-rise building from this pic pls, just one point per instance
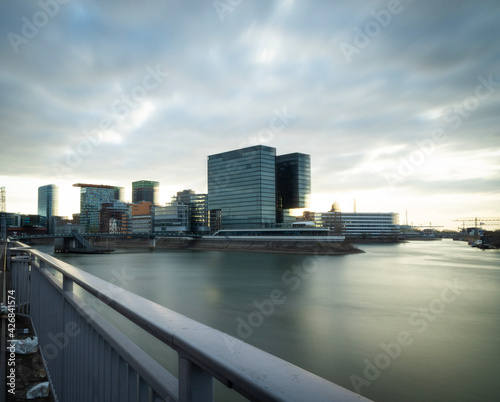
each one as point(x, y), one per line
point(293, 183)
point(48, 203)
point(242, 185)
point(48, 200)
point(145, 190)
point(92, 196)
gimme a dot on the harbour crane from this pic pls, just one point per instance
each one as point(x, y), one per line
point(481, 220)
point(424, 226)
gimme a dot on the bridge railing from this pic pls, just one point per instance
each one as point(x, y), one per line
point(89, 359)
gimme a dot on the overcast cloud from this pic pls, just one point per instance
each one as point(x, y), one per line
point(405, 112)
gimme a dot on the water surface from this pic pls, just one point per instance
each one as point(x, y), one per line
point(407, 322)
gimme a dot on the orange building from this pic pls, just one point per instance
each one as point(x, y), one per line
point(142, 208)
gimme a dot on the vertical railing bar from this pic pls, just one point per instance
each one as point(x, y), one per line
point(90, 363)
point(132, 385)
point(107, 372)
point(100, 369)
point(123, 379)
point(115, 376)
point(143, 390)
point(26, 286)
point(67, 287)
point(28, 283)
point(73, 343)
point(83, 359)
point(195, 384)
point(95, 371)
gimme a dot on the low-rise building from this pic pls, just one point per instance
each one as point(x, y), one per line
point(141, 224)
point(141, 217)
point(68, 228)
point(173, 217)
point(362, 224)
point(115, 217)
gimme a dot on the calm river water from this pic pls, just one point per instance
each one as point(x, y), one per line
point(409, 322)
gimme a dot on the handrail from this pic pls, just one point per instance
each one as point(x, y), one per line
point(205, 352)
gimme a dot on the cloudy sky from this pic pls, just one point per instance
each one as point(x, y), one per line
point(397, 102)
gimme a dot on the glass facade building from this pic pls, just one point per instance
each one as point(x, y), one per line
point(48, 200)
point(173, 217)
point(48, 203)
point(145, 190)
point(242, 185)
point(92, 196)
point(198, 207)
point(293, 183)
point(362, 224)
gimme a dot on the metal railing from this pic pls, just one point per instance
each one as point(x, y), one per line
point(88, 359)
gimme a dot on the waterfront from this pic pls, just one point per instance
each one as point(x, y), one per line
point(425, 311)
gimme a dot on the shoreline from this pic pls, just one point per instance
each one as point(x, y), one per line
point(265, 246)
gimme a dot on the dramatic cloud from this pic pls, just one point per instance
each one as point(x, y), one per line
point(395, 101)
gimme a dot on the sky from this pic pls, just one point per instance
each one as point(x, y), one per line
point(397, 102)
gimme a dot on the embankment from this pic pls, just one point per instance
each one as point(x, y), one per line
point(288, 247)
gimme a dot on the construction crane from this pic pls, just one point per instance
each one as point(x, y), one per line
point(481, 220)
point(424, 226)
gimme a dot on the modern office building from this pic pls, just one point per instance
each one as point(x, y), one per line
point(198, 210)
point(48, 203)
point(141, 217)
point(13, 219)
point(242, 185)
point(38, 221)
point(141, 223)
point(173, 217)
point(254, 188)
point(293, 183)
point(362, 224)
point(145, 190)
point(115, 217)
point(92, 196)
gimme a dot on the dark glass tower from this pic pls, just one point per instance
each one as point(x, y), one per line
point(241, 184)
point(293, 182)
point(145, 190)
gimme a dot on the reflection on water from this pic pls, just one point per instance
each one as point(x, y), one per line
point(416, 321)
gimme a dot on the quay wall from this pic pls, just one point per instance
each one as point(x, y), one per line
point(288, 247)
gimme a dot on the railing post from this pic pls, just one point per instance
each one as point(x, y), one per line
point(67, 284)
point(195, 384)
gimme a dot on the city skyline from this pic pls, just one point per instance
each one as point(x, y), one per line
point(396, 102)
